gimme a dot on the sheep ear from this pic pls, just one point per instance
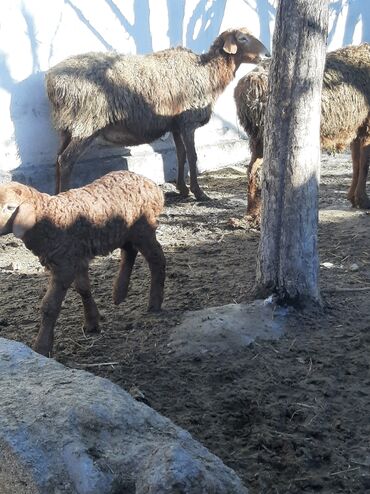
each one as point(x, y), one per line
point(229, 45)
point(24, 220)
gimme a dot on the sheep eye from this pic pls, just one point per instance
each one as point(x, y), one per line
point(9, 208)
point(243, 39)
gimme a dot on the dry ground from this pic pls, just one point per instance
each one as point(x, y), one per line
point(290, 416)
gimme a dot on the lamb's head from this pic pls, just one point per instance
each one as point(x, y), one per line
point(242, 45)
point(17, 215)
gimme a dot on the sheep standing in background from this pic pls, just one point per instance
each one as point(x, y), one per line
point(135, 99)
point(345, 118)
point(251, 97)
point(66, 231)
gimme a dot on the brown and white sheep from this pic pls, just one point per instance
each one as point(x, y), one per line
point(66, 231)
point(345, 118)
point(135, 99)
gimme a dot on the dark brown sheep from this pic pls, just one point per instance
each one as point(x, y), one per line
point(66, 231)
point(135, 99)
point(345, 117)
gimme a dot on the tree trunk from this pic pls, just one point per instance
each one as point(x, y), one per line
point(288, 262)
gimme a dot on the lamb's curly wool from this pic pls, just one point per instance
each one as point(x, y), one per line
point(345, 116)
point(66, 231)
point(134, 99)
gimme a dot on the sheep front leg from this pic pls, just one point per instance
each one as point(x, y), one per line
point(188, 138)
point(120, 289)
point(50, 309)
point(181, 158)
point(91, 312)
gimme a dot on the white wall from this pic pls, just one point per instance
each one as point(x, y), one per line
point(36, 34)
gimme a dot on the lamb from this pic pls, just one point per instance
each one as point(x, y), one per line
point(66, 231)
point(135, 99)
point(345, 118)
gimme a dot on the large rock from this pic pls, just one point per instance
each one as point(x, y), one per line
point(67, 431)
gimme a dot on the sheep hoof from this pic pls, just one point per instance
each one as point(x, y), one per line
point(183, 190)
point(154, 308)
point(363, 202)
point(202, 196)
point(91, 328)
point(117, 300)
point(351, 198)
point(42, 350)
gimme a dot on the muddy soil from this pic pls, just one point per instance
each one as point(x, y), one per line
point(289, 416)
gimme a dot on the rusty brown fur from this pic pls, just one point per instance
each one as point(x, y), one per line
point(345, 117)
point(66, 231)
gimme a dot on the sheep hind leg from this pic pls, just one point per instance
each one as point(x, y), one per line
point(91, 312)
point(66, 160)
point(120, 288)
point(254, 191)
point(355, 152)
point(50, 309)
point(152, 251)
point(181, 158)
point(361, 199)
point(188, 139)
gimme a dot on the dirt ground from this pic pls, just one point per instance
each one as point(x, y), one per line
point(289, 416)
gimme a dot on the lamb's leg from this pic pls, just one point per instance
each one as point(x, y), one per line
point(91, 313)
point(50, 309)
point(361, 198)
point(120, 288)
point(152, 251)
point(188, 139)
point(355, 152)
point(181, 158)
point(67, 159)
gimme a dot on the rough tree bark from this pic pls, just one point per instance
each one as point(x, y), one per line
point(288, 262)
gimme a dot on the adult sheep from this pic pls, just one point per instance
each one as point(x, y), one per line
point(135, 99)
point(66, 231)
point(345, 118)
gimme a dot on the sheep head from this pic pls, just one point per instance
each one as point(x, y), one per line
point(242, 45)
point(17, 215)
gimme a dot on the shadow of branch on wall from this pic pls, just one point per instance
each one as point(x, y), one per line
point(88, 24)
point(139, 30)
point(28, 103)
point(335, 10)
point(31, 32)
point(176, 13)
point(266, 10)
point(204, 24)
point(357, 11)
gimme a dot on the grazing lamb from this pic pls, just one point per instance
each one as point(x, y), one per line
point(66, 231)
point(135, 99)
point(345, 118)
